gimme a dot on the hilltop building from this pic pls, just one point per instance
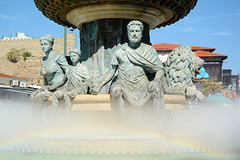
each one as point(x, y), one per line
point(32, 45)
point(30, 68)
point(19, 35)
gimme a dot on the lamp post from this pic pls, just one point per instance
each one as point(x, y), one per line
point(30, 75)
point(65, 41)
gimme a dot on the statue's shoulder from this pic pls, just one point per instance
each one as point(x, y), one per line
point(147, 46)
point(120, 48)
point(82, 66)
point(58, 57)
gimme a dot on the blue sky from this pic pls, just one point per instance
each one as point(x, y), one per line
point(212, 23)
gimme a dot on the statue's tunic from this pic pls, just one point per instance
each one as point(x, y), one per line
point(53, 68)
point(77, 83)
point(132, 68)
point(78, 80)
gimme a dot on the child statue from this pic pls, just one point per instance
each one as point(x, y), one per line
point(78, 81)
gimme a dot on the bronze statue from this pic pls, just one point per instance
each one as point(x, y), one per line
point(53, 70)
point(181, 67)
point(134, 61)
point(77, 83)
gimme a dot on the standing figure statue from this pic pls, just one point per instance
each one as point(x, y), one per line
point(53, 70)
point(77, 83)
point(134, 61)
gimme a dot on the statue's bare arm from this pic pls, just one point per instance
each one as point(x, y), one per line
point(105, 79)
point(60, 82)
point(54, 86)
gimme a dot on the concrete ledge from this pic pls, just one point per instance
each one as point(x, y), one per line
point(175, 106)
point(101, 102)
point(91, 107)
point(88, 98)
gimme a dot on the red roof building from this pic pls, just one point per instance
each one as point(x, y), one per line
point(213, 61)
point(6, 79)
point(8, 76)
point(201, 54)
point(170, 47)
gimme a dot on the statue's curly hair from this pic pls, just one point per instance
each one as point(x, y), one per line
point(135, 22)
point(181, 66)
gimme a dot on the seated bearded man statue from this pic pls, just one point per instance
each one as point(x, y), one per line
point(134, 61)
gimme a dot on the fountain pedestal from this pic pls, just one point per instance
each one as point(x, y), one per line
point(101, 102)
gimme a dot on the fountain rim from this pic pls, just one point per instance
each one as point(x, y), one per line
point(57, 10)
point(86, 14)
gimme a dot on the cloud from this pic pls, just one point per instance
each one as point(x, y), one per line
point(188, 29)
point(237, 14)
point(222, 34)
point(192, 30)
point(5, 17)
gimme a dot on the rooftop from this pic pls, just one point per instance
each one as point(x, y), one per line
point(209, 54)
point(8, 76)
point(170, 47)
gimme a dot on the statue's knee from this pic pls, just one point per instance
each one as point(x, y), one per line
point(116, 91)
point(58, 94)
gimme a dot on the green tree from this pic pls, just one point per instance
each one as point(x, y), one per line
point(211, 86)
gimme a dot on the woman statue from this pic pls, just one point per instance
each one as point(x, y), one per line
point(53, 69)
point(77, 83)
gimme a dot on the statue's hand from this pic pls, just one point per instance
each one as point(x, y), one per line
point(51, 88)
point(44, 88)
point(47, 88)
point(95, 89)
point(191, 91)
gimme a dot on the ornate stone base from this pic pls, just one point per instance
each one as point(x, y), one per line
point(101, 102)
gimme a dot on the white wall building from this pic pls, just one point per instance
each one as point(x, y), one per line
point(18, 35)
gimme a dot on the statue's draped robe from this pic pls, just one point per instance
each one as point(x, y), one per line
point(78, 79)
point(132, 68)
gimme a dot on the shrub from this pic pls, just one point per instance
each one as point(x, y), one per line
point(26, 54)
point(14, 55)
point(211, 87)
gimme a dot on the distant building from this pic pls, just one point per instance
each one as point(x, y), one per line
point(230, 81)
point(24, 42)
point(11, 80)
point(213, 61)
point(18, 36)
point(32, 45)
